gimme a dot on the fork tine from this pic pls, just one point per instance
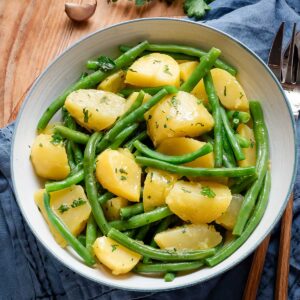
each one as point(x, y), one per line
point(290, 73)
point(274, 61)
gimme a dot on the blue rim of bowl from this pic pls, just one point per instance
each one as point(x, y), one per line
point(252, 247)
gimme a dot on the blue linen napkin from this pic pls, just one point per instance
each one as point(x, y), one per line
point(28, 271)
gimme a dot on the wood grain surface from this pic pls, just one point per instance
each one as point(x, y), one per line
point(34, 32)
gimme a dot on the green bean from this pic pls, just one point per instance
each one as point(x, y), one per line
point(244, 117)
point(90, 182)
point(214, 102)
point(243, 142)
point(231, 137)
point(235, 123)
point(168, 267)
point(70, 156)
point(257, 215)
point(82, 239)
point(66, 234)
point(241, 186)
point(136, 104)
point(90, 81)
point(77, 153)
point(77, 168)
point(91, 233)
point(262, 146)
point(142, 219)
point(105, 197)
point(191, 52)
point(180, 159)
point(164, 255)
point(131, 118)
point(228, 156)
point(177, 56)
point(169, 276)
point(92, 65)
point(83, 75)
point(140, 137)
point(149, 90)
point(141, 234)
point(122, 136)
point(189, 171)
point(72, 135)
point(69, 181)
point(132, 210)
point(201, 70)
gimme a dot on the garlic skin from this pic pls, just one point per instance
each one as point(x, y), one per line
point(80, 12)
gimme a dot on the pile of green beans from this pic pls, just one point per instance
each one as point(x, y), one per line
point(136, 229)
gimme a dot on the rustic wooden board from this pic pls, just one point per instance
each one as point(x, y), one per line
point(34, 32)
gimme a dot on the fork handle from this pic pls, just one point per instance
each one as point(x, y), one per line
point(283, 265)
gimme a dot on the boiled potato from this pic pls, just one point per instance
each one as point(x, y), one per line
point(134, 95)
point(49, 158)
point(118, 172)
point(178, 115)
point(184, 145)
point(250, 152)
point(198, 203)
point(112, 208)
point(156, 186)
point(114, 82)
point(228, 89)
point(115, 256)
point(152, 70)
point(189, 237)
point(228, 218)
point(72, 207)
point(186, 69)
point(95, 109)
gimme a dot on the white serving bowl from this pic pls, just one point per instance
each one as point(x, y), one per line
point(255, 77)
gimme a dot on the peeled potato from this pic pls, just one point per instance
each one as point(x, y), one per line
point(95, 109)
point(189, 237)
point(250, 152)
point(229, 217)
point(113, 83)
point(186, 69)
point(176, 116)
point(134, 95)
point(198, 203)
point(229, 90)
point(152, 70)
point(156, 186)
point(184, 145)
point(49, 158)
point(118, 172)
point(72, 207)
point(112, 208)
point(115, 256)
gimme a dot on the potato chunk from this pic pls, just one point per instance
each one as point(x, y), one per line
point(229, 90)
point(198, 203)
point(189, 237)
point(152, 70)
point(113, 83)
point(115, 256)
point(95, 109)
point(250, 152)
point(229, 217)
point(134, 95)
point(72, 207)
point(156, 187)
point(118, 172)
point(49, 158)
point(183, 145)
point(178, 115)
point(186, 69)
point(112, 208)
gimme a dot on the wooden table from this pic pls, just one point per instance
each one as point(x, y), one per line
point(34, 32)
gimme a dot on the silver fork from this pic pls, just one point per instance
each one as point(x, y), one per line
point(286, 67)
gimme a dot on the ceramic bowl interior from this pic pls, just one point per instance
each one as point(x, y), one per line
point(255, 77)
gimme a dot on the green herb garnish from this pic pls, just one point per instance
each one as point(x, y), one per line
point(105, 63)
point(167, 70)
point(63, 208)
point(85, 115)
point(207, 192)
point(56, 138)
point(78, 202)
point(114, 248)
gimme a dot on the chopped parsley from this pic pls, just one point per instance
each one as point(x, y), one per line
point(149, 197)
point(199, 101)
point(78, 202)
point(114, 248)
point(185, 190)
point(241, 95)
point(56, 139)
point(105, 63)
point(225, 91)
point(41, 145)
point(207, 192)
point(156, 61)
point(122, 171)
point(63, 208)
point(104, 100)
point(85, 115)
point(149, 117)
point(123, 177)
point(165, 126)
point(174, 102)
point(167, 70)
point(251, 143)
point(131, 70)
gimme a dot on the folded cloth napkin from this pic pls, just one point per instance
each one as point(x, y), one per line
point(30, 272)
